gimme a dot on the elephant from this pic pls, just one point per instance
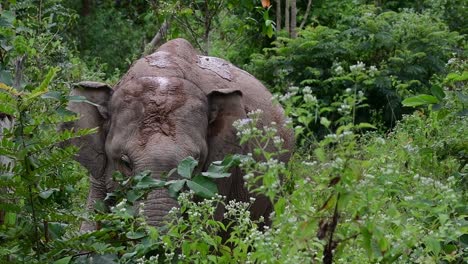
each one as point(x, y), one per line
point(171, 104)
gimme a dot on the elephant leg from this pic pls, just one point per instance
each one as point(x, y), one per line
point(262, 207)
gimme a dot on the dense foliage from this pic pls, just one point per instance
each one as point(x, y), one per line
point(376, 92)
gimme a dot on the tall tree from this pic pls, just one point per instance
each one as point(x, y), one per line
point(306, 15)
point(278, 15)
point(293, 32)
point(286, 16)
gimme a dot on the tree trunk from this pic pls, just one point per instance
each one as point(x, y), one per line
point(85, 7)
point(286, 16)
point(206, 36)
point(306, 15)
point(278, 15)
point(157, 39)
point(293, 19)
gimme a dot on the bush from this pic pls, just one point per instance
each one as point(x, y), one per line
point(398, 54)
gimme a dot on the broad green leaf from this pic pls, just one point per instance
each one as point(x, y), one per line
point(148, 182)
point(438, 92)
point(47, 193)
point(10, 219)
point(418, 100)
point(365, 125)
point(6, 77)
point(133, 195)
point(320, 154)
point(186, 167)
point(462, 97)
point(79, 99)
point(175, 187)
point(230, 161)
point(279, 206)
point(433, 245)
point(366, 242)
point(64, 260)
point(216, 175)
point(52, 95)
point(129, 255)
point(57, 229)
point(104, 259)
point(202, 187)
point(135, 235)
point(100, 206)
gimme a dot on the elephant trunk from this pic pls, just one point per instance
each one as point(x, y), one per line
point(157, 206)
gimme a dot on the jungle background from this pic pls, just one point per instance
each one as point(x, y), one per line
point(375, 91)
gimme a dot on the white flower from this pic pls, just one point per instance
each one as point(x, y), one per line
point(293, 89)
point(286, 97)
point(451, 61)
point(309, 98)
point(380, 140)
point(277, 140)
point(339, 70)
point(360, 66)
point(373, 70)
point(360, 94)
point(248, 176)
point(408, 198)
point(307, 90)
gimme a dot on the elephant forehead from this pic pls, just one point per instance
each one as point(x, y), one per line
point(159, 98)
point(219, 66)
point(160, 59)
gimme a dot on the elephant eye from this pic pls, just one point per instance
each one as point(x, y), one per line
point(126, 162)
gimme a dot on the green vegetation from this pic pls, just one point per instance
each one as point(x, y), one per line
point(376, 92)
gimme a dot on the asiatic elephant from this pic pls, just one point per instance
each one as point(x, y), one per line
point(171, 104)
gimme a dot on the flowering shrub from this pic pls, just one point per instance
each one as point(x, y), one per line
point(386, 55)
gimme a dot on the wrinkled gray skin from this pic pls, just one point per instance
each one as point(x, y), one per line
point(171, 104)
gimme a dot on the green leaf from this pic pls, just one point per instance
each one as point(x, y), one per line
point(79, 99)
point(6, 18)
point(100, 206)
point(203, 186)
point(462, 97)
point(133, 196)
point(47, 193)
point(216, 175)
point(64, 260)
point(365, 125)
point(104, 259)
point(320, 154)
point(135, 235)
point(367, 236)
point(422, 99)
point(42, 89)
point(148, 182)
point(433, 245)
point(175, 187)
point(438, 92)
point(229, 161)
point(52, 95)
point(186, 167)
point(280, 206)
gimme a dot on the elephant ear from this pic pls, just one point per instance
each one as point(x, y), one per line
point(225, 107)
point(92, 151)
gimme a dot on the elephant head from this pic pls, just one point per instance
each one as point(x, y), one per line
point(171, 104)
